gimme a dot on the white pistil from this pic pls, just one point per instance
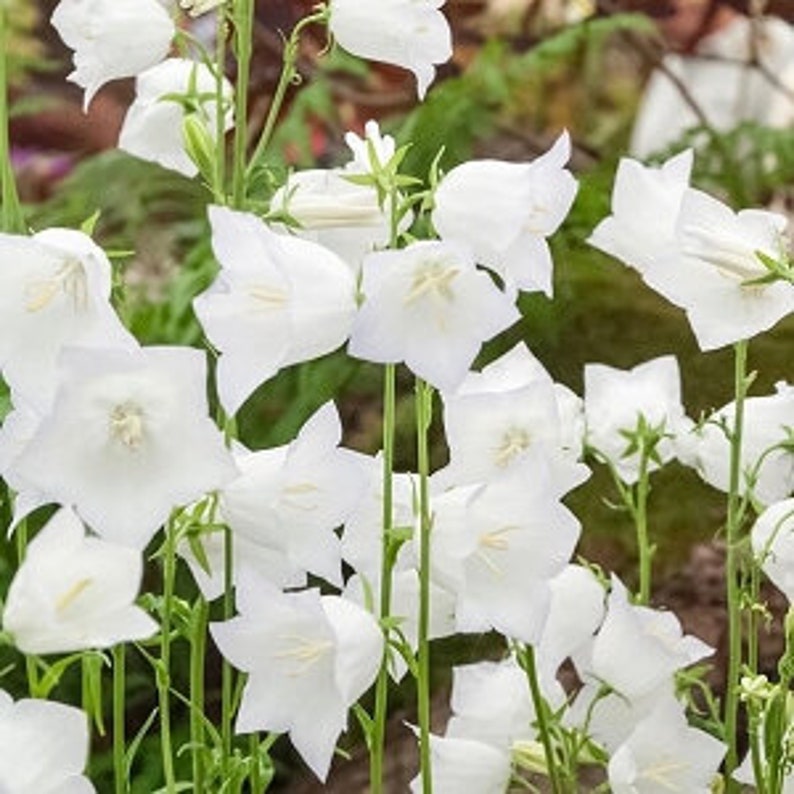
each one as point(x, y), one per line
point(514, 442)
point(71, 595)
point(126, 425)
point(268, 297)
point(305, 651)
point(432, 277)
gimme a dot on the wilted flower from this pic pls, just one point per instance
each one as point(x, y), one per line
point(43, 747)
point(165, 97)
point(429, 306)
point(773, 544)
point(277, 301)
point(308, 660)
point(112, 38)
point(128, 440)
point(74, 592)
point(505, 211)
point(412, 34)
point(620, 405)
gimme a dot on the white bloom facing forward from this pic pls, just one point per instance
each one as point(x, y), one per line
point(773, 544)
point(128, 440)
point(112, 38)
point(74, 592)
point(619, 402)
point(277, 301)
point(43, 747)
point(54, 291)
point(413, 34)
point(308, 659)
point(429, 306)
point(505, 211)
point(165, 97)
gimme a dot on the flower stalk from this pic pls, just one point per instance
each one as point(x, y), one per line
point(164, 666)
point(119, 706)
point(11, 216)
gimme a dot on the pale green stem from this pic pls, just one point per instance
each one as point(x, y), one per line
point(198, 648)
point(119, 709)
point(733, 522)
point(640, 513)
point(256, 782)
point(424, 416)
point(527, 658)
point(21, 533)
point(11, 215)
point(387, 565)
point(164, 667)
point(243, 34)
point(227, 673)
point(289, 74)
point(219, 189)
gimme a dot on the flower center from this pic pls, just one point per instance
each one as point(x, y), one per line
point(305, 652)
point(432, 278)
point(69, 279)
point(71, 595)
point(126, 425)
point(731, 258)
point(495, 540)
point(514, 442)
point(267, 298)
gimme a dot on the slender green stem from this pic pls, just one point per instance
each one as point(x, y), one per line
point(424, 416)
point(387, 565)
point(21, 533)
point(227, 672)
point(219, 190)
point(11, 216)
point(733, 527)
point(243, 34)
point(289, 73)
point(256, 779)
point(641, 523)
point(119, 708)
point(164, 668)
point(527, 658)
point(198, 649)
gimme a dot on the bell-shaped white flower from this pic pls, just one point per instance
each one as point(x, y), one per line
point(292, 498)
point(466, 765)
point(638, 648)
point(412, 34)
point(429, 306)
point(277, 301)
point(112, 38)
point(773, 544)
point(308, 660)
point(767, 468)
point(373, 142)
point(616, 401)
point(165, 96)
point(74, 592)
point(505, 211)
point(54, 292)
point(43, 747)
point(128, 440)
point(664, 753)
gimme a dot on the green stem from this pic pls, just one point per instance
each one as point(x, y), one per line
point(387, 565)
point(424, 416)
point(198, 649)
point(641, 523)
point(11, 216)
point(227, 673)
point(527, 658)
point(164, 669)
point(219, 190)
point(733, 527)
point(256, 781)
point(244, 27)
point(119, 707)
point(289, 73)
point(21, 533)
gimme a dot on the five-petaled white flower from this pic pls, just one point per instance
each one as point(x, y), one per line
point(412, 34)
point(112, 38)
point(74, 592)
point(429, 306)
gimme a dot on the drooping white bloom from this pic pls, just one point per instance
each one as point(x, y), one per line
point(74, 592)
point(277, 301)
point(638, 648)
point(429, 306)
point(766, 471)
point(645, 204)
point(412, 34)
point(497, 547)
point(128, 440)
point(308, 660)
point(466, 765)
point(505, 211)
point(773, 544)
point(165, 96)
point(615, 401)
point(54, 292)
point(664, 753)
point(292, 498)
point(43, 747)
point(112, 38)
